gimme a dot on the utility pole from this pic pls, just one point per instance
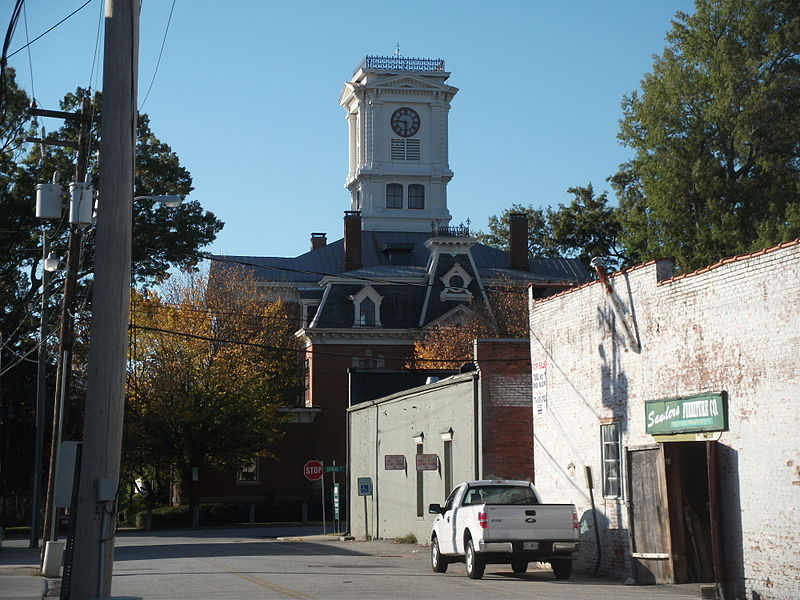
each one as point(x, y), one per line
point(102, 442)
point(66, 330)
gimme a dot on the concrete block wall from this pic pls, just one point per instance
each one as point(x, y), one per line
point(389, 426)
point(732, 327)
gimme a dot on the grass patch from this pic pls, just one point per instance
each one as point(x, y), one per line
point(408, 538)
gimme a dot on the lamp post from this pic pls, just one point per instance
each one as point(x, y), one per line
point(48, 206)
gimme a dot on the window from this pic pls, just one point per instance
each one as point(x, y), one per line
point(394, 195)
point(248, 473)
point(420, 496)
point(612, 461)
point(367, 313)
point(309, 312)
point(448, 464)
point(416, 196)
point(367, 307)
point(456, 283)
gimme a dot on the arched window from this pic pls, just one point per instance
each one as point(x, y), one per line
point(416, 196)
point(367, 313)
point(394, 195)
point(367, 307)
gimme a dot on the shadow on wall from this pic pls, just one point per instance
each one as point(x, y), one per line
point(612, 560)
point(614, 381)
point(731, 521)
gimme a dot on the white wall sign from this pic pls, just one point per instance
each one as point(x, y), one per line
point(539, 384)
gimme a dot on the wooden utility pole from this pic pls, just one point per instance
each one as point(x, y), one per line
point(102, 442)
point(66, 329)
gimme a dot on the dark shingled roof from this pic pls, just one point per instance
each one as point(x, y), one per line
point(376, 247)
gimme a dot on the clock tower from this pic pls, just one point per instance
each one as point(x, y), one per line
point(397, 110)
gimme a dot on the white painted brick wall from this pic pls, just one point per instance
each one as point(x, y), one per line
point(736, 328)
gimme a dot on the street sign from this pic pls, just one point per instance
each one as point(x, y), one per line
point(313, 470)
point(336, 469)
point(336, 501)
point(365, 486)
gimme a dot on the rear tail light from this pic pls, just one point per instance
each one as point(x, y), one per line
point(483, 520)
point(574, 519)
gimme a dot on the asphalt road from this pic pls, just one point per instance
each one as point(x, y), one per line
point(261, 563)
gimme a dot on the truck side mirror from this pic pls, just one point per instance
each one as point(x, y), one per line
point(435, 509)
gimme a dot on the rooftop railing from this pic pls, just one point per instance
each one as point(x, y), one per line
point(454, 231)
point(402, 63)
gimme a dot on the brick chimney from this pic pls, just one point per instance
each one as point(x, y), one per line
point(352, 240)
point(318, 240)
point(518, 242)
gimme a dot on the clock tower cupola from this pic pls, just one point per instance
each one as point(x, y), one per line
point(397, 110)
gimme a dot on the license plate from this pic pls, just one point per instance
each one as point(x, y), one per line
point(530, 545)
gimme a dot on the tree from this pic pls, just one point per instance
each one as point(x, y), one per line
point(210, 366)
point(449, 345)
point(586, 228)
point(715, 130)
point(163, 238)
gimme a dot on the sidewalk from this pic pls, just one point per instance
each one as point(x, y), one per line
point(20, 577)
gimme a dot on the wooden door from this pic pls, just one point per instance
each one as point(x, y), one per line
point(648, 516)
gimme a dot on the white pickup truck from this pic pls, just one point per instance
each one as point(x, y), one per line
point(502, 522)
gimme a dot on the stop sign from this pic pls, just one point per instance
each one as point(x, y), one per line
point(313, 470)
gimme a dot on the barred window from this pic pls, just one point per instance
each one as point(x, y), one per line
point(612, 460)
point(394, 195)
point(416, 196)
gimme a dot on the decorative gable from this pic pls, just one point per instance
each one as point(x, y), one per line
point(456, 283)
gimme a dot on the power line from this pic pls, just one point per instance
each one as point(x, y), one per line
point(30, 60)
point(303, 350)
point(40, 36)
point(158, 62)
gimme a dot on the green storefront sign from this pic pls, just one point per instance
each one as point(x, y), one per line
point(703, 412)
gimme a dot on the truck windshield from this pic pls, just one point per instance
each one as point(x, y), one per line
point(500, 494)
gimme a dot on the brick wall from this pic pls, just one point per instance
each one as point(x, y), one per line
point(507, 419)
point(732, 327)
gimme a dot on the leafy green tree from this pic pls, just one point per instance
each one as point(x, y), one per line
point(210, 367)
point(715, 130)
point(162, 238)
point(586, 228)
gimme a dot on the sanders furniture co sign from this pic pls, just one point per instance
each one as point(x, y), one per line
point(703, 412)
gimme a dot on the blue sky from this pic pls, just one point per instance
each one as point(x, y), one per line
point(247, 95)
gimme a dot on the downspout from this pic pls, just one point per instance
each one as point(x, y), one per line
point(376, 489)
point(626, 321)
point(476, 424)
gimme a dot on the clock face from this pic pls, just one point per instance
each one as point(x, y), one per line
point(405, 121)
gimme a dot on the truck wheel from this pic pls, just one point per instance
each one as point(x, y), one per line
point(474, 560)
point(438, 562)
point(562, 568)
point(519, 565)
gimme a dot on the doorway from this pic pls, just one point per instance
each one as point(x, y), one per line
point(673, 512)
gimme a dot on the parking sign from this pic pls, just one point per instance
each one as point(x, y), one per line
point(365, 486)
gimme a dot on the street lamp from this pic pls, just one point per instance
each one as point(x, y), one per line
point(170, 201)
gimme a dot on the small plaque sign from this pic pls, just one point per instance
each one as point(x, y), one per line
point(394, 462)
point(427, 462)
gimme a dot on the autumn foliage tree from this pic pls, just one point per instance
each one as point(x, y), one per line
point(211, 364)
point(449, 345)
